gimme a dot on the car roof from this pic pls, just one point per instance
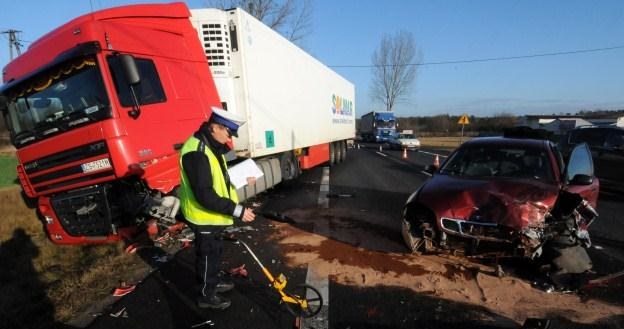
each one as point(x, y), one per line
point(598, 127)
point(506, 141)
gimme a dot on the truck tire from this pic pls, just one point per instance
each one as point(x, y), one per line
point(332, 154)
point(289, 166)
point(343, 153)
point(338, 150)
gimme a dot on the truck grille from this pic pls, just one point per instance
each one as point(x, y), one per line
point(61, 170)
point(84, 212)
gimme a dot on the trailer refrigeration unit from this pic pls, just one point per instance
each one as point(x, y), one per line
point(378, 126)
point(99, 108)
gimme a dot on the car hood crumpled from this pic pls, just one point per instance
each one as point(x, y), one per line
point(515, 203)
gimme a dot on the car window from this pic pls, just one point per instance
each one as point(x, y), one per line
point(496, 161)
point(615, 139)
point(591, 136)
point(580, 162)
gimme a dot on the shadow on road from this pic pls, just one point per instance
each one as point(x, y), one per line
point(23, 301)
point(426, 311)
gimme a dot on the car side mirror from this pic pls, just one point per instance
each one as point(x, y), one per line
point(581, 179)
point(431, 169)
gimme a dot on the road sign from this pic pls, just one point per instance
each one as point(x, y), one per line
point(463, 120)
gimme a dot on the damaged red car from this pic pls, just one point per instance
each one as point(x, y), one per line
point(507, 196)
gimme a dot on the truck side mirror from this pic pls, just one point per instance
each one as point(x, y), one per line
point(3, 103)
point(131, 73)
point(130, 69)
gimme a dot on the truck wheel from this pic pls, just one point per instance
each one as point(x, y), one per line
point(338, 150)
point(343, 153)
point(332, 154)
point(289, 166)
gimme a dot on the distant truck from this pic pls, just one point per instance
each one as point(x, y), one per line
point(99, 108)
point(378, 126)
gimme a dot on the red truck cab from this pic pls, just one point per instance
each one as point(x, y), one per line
point(97, 109)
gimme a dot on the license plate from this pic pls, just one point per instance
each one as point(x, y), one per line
point(95, 165)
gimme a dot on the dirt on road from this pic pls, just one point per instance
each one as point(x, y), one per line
point(344, 256)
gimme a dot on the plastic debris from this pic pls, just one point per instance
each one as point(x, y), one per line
point(123, 289)
point(161, 259)
point(233, 229)
point(132, 248)
point(240, 271)
point(121, 313)
point(207, 322)
point(336, 195)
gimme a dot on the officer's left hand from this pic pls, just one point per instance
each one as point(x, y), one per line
point(251, 181)
point(248, 216)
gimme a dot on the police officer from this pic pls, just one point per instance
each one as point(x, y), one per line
point(209, 201)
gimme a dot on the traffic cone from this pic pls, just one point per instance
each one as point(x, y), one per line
point(436, 161)
point(404, 153)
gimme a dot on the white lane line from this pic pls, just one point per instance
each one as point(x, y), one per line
point(426, 173)
point(323, 200)
point(321, 320)
point(441, 156)
point(381, 154)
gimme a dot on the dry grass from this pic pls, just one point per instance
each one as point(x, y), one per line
point(43, 283)
point(442, 142)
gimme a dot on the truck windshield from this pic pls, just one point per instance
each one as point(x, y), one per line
point(60, 99)
point(386, 124)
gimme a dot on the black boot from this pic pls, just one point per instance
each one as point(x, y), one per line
point(213, 301)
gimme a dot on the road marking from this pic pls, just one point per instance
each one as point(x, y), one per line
point(430, 153)
point(381, 154)
point(323, 200)
point(426, 173)
point(313, 278)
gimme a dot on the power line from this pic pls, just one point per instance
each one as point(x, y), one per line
point(493, 59)
point(14, 42)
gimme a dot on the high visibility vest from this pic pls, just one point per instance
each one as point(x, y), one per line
point(192, 210)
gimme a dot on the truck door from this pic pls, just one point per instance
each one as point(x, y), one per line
point(580, 176)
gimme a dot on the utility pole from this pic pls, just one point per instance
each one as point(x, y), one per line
point(13, 42)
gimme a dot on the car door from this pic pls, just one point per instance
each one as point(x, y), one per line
point(611, 158)
point(579, 175)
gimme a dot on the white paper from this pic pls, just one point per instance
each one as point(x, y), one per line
point(240, 172)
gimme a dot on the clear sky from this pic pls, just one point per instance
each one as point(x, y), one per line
point(347, 32)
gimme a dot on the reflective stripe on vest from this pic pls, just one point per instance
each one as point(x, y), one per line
point(192, 210)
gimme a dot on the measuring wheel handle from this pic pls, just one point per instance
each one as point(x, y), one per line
point(305, 301)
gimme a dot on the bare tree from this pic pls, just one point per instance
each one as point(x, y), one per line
point(393, 68)
point(291, 18)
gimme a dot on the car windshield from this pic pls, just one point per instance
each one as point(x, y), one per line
point(497, 161)
point(60, 99)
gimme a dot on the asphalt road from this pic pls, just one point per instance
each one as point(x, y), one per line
point(368, 190)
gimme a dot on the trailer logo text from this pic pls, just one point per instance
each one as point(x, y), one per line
point(343, 107)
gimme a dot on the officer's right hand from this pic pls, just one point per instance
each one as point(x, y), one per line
point(248, 215)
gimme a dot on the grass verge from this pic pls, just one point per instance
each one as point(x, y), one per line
point(44, 284)
point(449, 143)
point(8, 176)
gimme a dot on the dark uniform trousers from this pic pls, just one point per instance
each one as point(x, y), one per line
point(208, 249)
